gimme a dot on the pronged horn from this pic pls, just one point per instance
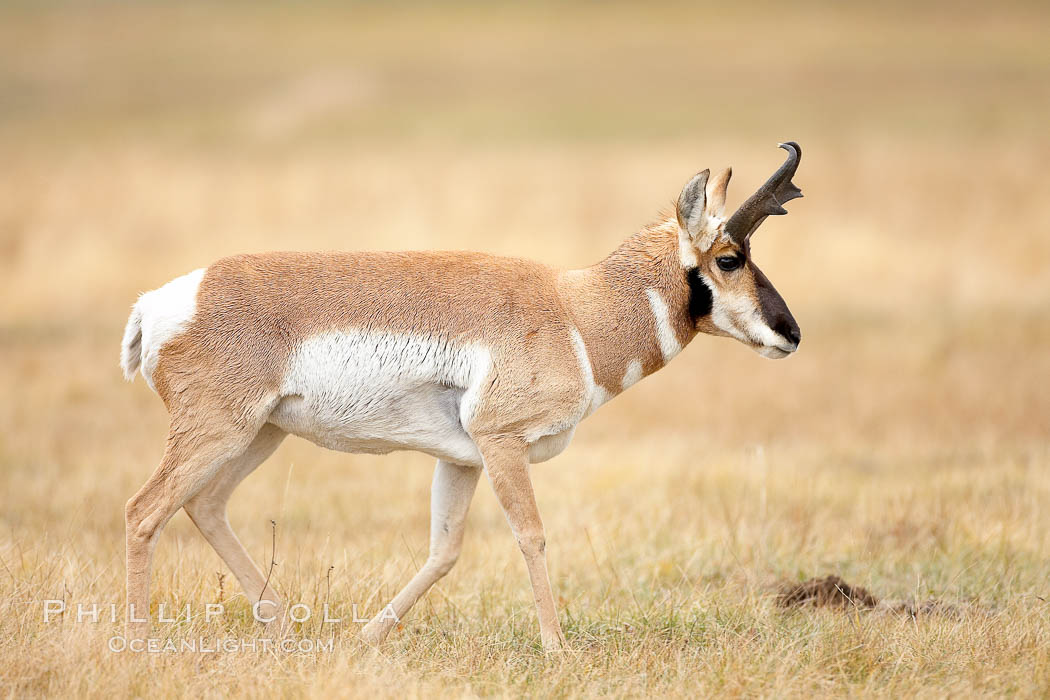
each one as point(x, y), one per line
point(769, 199)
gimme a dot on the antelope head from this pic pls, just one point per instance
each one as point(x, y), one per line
point(729, 294)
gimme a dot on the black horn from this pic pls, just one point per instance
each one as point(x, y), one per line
point(768, 200)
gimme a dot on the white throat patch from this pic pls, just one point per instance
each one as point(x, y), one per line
point(597, 394)
point(665, 335)
point(633, 374)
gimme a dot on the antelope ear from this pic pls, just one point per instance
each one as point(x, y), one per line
point(716, 194)
point(691, 208)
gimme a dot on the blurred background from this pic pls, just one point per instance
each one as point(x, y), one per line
point(141, 141)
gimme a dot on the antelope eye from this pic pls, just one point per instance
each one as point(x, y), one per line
point(727, 263)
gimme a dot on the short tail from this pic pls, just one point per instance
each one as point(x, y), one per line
point(131, 347)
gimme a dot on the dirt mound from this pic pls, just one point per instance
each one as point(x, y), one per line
point(830, 591)
point(833, 592)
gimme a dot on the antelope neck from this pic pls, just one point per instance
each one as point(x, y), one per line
point(632, 308)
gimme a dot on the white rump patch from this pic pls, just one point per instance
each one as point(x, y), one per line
point(375, 392)
point(165, 313)
point(665, 335)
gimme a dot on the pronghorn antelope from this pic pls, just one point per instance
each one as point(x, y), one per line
point(485, 363)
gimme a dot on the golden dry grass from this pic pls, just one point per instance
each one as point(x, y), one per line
point(904, 448)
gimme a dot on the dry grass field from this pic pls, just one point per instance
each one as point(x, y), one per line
point(904, 448)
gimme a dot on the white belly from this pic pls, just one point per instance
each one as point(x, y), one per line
point(549, 446)
point(358, 391)
point(423, 418)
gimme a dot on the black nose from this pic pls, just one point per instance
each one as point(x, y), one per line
point(789, 329)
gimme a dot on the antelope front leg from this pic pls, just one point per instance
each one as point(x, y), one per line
point(507, 464)
point(450, 496)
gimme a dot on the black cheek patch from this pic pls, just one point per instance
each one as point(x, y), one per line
point(699, 296)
